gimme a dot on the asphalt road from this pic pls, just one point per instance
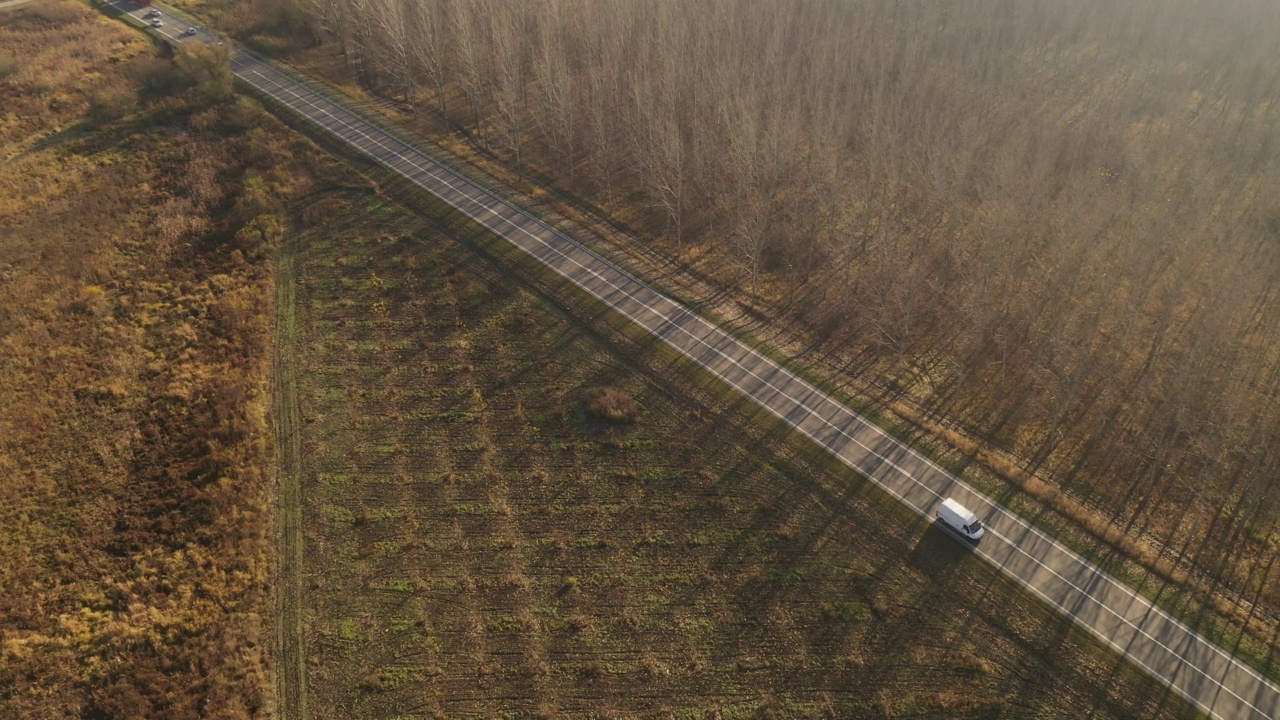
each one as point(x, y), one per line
point(173, 27)
point(1204, 674)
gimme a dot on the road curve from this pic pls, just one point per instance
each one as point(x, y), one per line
point(1206, 675)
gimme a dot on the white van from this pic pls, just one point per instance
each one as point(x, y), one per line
point(960, 521)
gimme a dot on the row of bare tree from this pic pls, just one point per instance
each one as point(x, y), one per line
point(1055, 223)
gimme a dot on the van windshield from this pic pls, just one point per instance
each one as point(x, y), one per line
point(975, 527)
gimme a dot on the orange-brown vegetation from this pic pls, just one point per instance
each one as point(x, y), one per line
point(612, 404)
point(134, 319)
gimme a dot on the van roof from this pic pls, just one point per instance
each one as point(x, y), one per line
point(960, 510)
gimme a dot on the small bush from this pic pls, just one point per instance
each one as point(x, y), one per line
point(242, 115)
point(208, 72)
point(157, 77)
point(612, 405)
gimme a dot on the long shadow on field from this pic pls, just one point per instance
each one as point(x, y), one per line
point(1062, 652)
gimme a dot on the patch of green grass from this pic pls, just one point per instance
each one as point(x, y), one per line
point(388, 548)
point(348, 630)
point(339, 514)
point(403, 586)
point(397, 676)
point(472, 508)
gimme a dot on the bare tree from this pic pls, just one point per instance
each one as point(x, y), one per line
point(660, 159)
point(429, 48)
point(362, 52)
point(395, 31)
point(472, 40)
point(510, 34)
point(330, 17)
point(557, 105)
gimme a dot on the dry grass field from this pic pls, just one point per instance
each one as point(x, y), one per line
point(507, 514)
point(138, 212)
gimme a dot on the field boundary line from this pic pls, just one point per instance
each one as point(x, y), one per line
point(290, 645)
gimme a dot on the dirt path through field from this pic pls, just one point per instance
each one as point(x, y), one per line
point(291, 681)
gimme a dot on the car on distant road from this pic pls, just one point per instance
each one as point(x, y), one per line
point(157, 23)
point(153, 12)
point(189, 31)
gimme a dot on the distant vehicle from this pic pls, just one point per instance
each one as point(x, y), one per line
point(157, 23)
point(959, 521)
point(189, 31)
point(153, 12)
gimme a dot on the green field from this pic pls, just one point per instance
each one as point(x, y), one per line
point(477, 541)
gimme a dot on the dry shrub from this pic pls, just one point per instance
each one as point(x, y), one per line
point(655, 668)
point(176, 220)
point(207, 71)
point(111, 101)
point(200, 179)
point(157, 77)
point(205, 120)
point(612, 405)
point(242, 115)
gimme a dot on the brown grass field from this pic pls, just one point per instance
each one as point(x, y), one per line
point(137, 221)
point(481, 541)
